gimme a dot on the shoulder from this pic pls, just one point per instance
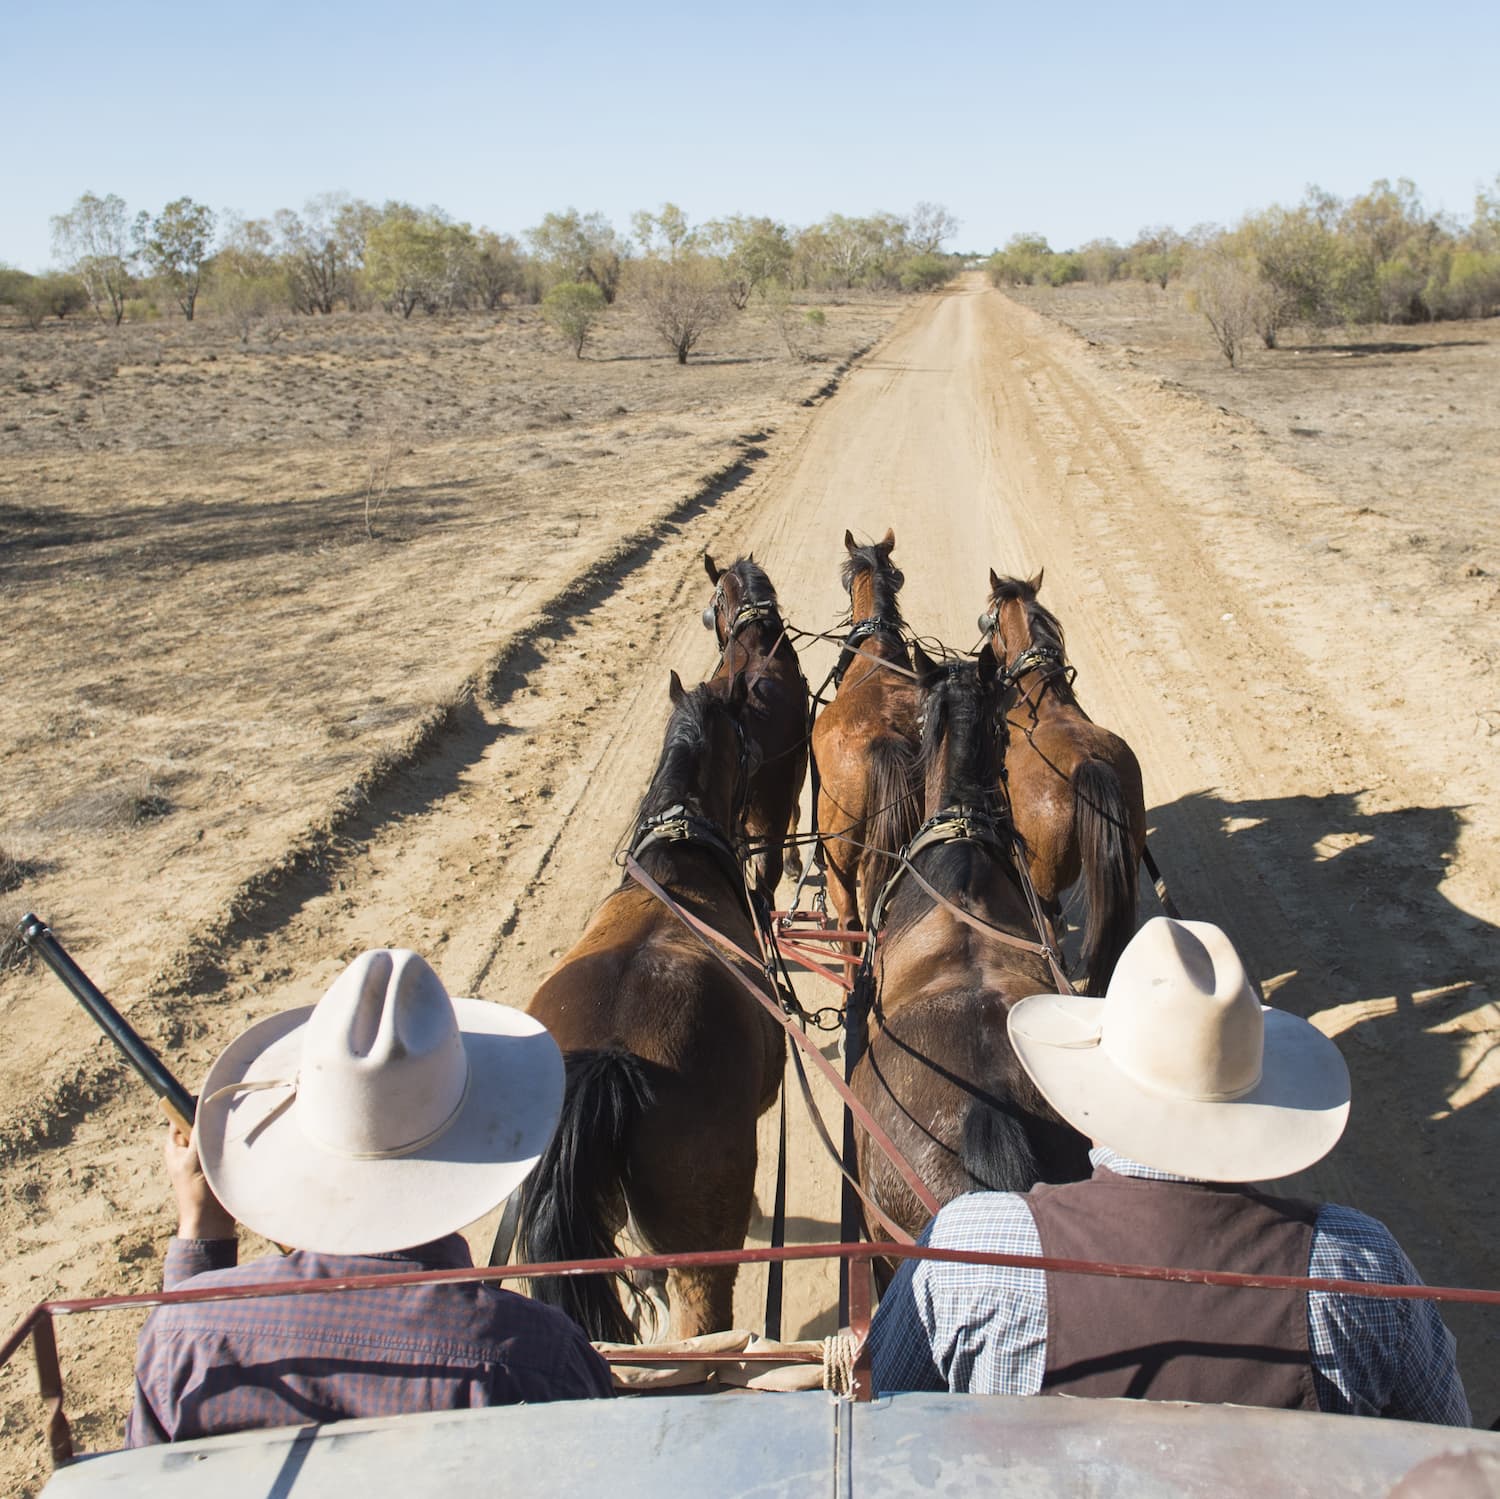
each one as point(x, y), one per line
point(983, 1221)
point(1350, 1245)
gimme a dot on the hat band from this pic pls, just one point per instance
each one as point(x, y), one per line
point(258, 1085)
point(1150, 1085)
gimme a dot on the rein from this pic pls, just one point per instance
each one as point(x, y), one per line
point(972, 825)
point(717, 944)
point(862, 630)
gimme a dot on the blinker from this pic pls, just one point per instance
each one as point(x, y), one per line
point(708, 618)
point(987, 624)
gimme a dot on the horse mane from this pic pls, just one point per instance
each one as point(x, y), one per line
point(954, 713)
point(1046, 629)
point(886, 580)
point(673, 782)
point(756, 587)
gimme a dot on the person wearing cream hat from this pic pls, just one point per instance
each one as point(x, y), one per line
point(386, 1116)
point(1190, 1090)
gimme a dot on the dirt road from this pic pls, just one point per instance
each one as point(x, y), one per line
point(1346, 846)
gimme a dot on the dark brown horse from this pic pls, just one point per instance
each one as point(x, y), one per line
point(669, 1061)
point(1075, 787)
point(746, 620)
point(865, 741)
point(938, 1072)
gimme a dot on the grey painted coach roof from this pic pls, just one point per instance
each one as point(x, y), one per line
point(739, 1444)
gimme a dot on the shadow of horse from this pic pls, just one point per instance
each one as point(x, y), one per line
point(1337, 906)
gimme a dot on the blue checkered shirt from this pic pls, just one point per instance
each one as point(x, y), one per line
point(208, 1367)
point(982, 1330)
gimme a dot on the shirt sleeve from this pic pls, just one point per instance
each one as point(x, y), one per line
point(900, 1347)
point(189, 1257)
point(1373, 1356)
point(969, 1329)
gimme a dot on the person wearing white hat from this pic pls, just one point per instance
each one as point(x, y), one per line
point(1190, 1089)
point(386, 1116)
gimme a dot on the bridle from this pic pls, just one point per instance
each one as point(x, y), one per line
point(1046, 659)
point(676, 824)
point(750, 612)
point(862, 630)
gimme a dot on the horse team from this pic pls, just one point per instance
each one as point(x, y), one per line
point(956, 800)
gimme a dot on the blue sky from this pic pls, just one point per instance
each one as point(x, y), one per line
point(1073, 121)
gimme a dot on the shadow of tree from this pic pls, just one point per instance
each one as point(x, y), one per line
point(1337, 905)
point(142, 538)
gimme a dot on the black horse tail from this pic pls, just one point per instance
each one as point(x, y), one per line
point(566, 1201)
point(995, 1149)
point(891, 794)
point(1101, 826)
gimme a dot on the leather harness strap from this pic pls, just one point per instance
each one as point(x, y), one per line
point(717, 943)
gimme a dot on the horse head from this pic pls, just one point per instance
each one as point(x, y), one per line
point(1016, 626)
point(743, 595)
point(872, 580)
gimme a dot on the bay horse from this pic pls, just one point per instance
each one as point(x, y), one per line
point(746, 620)
point(669, 1062)
point(864, 742)
point(938, 1072)
point(1075, 787)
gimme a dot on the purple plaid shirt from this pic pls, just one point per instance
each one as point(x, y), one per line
point(209, 1367)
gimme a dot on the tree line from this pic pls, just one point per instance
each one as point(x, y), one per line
point(1379, 257)
point(340, 252)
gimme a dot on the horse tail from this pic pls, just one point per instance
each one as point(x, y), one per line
point(891, 791)
point(566, 1201)
point(995, 1149)
point(1101, 827)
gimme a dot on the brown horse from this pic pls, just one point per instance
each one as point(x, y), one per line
point(1075, 788)
point(865, 741)
point(746, 620)
point(669, 1061)
point(939, 1073)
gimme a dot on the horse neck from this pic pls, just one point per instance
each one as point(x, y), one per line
point(957, 775)
point(1016, 637)
point(704, 791)
point(754, 644)
point(872, 597)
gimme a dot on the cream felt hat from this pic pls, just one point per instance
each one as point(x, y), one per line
point(1180, 1067)
point(382, 1117)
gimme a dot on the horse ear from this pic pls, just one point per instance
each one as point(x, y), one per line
point(739, 690)
point(927, 669)
point(848, 541)
point(1035, 583)
point(710, 569)
point(888, 544)
point(994, 582)
point(988, 667)
point(675, 689)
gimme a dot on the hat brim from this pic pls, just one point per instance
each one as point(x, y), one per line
point(1291, 1119)
point(275, 1179)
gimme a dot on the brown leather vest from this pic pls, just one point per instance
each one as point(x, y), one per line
point(1159, 1340)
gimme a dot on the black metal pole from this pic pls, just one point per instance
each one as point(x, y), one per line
point(35, 933)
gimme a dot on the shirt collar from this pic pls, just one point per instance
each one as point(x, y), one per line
point(1122, 1165)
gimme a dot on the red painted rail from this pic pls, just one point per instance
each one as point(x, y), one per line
point(37, 1324)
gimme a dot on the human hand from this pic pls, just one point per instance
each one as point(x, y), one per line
point(200, 1215)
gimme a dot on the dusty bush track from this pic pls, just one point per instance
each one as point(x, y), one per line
point(1316, 777)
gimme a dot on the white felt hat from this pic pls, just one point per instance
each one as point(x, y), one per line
point(382, 1117)
point(1180, 1067)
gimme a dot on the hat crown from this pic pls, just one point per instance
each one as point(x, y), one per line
point(383, 1067)
point(1181, 1017)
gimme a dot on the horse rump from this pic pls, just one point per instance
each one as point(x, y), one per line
point(569, 1200)
point(1101, 827)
